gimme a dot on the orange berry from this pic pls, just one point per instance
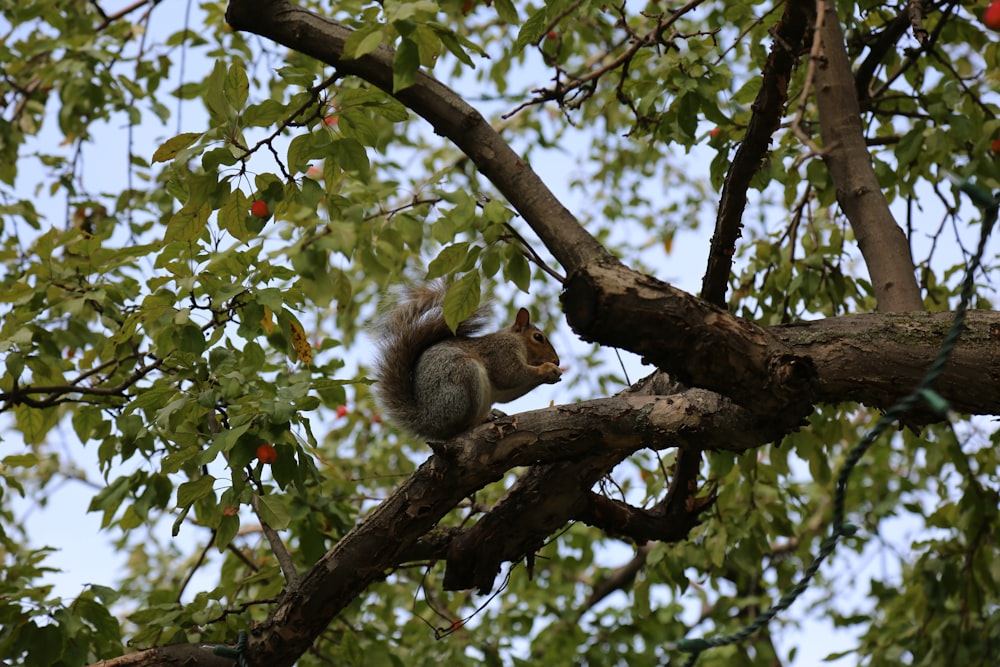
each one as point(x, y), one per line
point(342, 411)
point(259, 208)
point(266, 453)
point(991, 17)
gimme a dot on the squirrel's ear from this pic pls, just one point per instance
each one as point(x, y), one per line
point(523, 319)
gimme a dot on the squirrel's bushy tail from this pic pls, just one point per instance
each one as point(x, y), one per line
point(412, 324)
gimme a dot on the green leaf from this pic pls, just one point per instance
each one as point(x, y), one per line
point(20, 460)
point(233, 216)
point(190, 338)
point(300, 152)
point(462, 299)
point(264, 114)
point(237, 86)
point(169, 149)
point(35, 423)
point(186, 225)
point(506, 11)
point(214, 94)
point(358, 124)
point(189, 492)
point(363, 41)
point(687, 115)
point(517, 269)
point(273, 512)
point(47, 643)
point(449, 259)
point(405, 65)
point(532, 30)
point(452, 43)
point(352, 157)
point(229, 526)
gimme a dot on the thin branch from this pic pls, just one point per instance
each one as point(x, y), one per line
point(277, 546)
point(768, 109)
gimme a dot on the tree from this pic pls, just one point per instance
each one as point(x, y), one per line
point(198, 337)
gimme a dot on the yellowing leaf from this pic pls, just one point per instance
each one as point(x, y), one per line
point(303, 350)
point(668, 243)
point(268, 320)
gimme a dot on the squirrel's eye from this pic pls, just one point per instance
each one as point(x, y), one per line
point(539, 338)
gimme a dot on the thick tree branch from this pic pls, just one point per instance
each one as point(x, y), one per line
point(175, 655)
point(548, 496)
point(701, 344)
point(881, 241)
point(876, 359)
point(768, 108)
point(606, 429)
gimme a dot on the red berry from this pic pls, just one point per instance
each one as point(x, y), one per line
point(259, 208)
point(995, 146)
point(331, 121)
point(266, 453)
point(991, 17)
point(553, 34)
point(342, 411)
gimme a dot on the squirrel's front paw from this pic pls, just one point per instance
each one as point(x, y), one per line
point(550, 373)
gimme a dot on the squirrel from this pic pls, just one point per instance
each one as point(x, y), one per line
point(435, 383)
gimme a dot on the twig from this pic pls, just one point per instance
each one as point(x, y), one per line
point(277, 546)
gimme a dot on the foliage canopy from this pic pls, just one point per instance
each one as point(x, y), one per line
point(152, 313)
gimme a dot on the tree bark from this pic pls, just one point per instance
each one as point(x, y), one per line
point(877, 358)
point(882, 242)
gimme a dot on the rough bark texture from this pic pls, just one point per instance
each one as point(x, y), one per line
point(881, 241)
point(876, 359)
point(749, 384)
point(698, 343)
